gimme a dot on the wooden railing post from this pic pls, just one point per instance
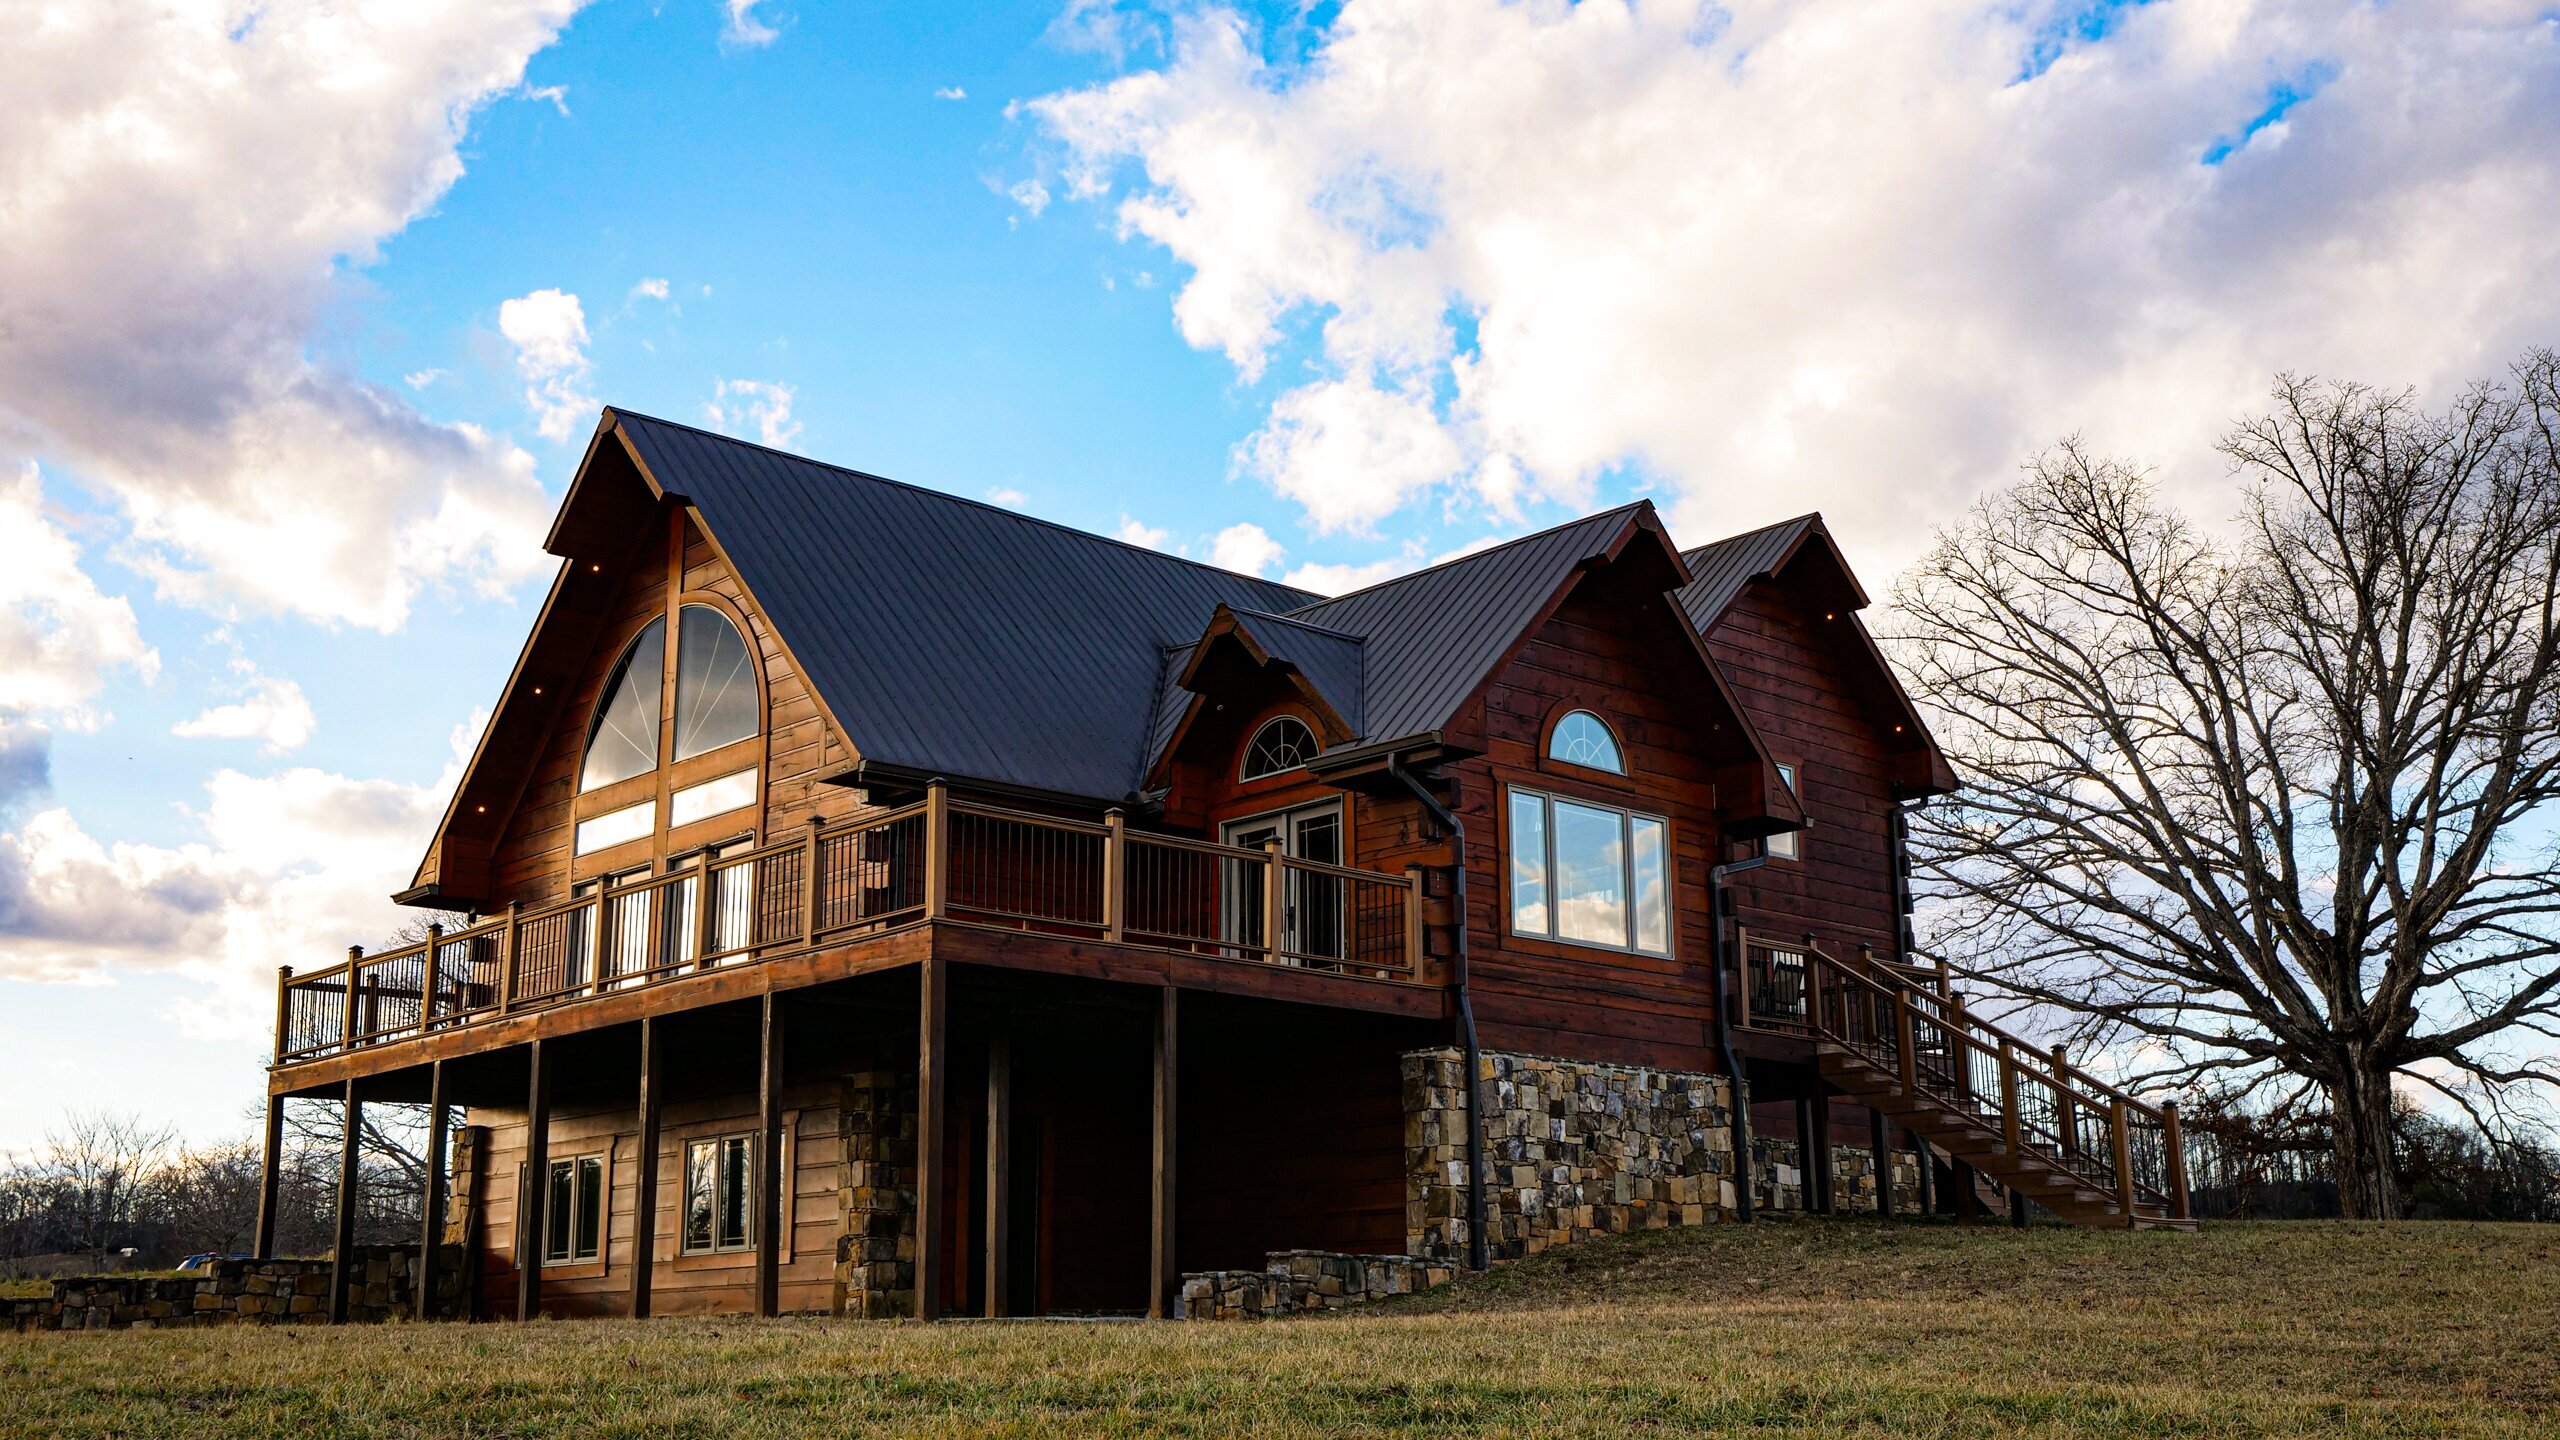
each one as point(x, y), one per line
point(1413, 942)
point(602, 930)
point(1959, 1054)
point(1115, 873)
point(937, 849)
point(809, 882)
point(510, 951)
point(1907, 1042)
point(1275, 900)
point(2124, 1160)
point(2176, 1159)
point(284, 1007)
point(705, 932)
point(1744, 982)
point(2009, 1126)
point(427, 984)
point(2066, 1115)
point(347, 1017)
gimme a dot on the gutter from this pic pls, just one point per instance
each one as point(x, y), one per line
point(1476, 1258)
point(1718, 929)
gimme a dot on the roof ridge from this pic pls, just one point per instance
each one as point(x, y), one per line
point(1285, 618)
point(1455, 560)
point(909, 485)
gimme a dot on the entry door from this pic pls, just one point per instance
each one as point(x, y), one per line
point(1313, 909)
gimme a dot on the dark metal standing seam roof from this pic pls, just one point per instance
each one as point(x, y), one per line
point(1334, 663)
point(949, 636)
point(1720, 570)
point(1434, 635)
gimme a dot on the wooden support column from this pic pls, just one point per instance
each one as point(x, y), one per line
point(1162, 1277)
point(644, 1193)
point(263, 1245)
point(1807, 1201)
point(1968, 1188)
point(422, 1281)
point(534, 1194)
point(1880, 1146)
point(2176, 1144)
point(769, 1176)
point(1928, 1173)
point(999, 1175)
point(932, 1080)
point(341, 1250)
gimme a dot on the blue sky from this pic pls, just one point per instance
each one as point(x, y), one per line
point(1379, 280)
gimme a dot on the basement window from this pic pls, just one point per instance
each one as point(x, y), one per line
point(719, 1194)
point(1589, 874)
point(573, 1211)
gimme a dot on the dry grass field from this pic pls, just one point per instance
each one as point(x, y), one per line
point(1783, 1329)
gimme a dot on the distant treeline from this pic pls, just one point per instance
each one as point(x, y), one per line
point(2280, 1166)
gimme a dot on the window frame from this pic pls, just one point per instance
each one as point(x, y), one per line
point(596, 1203)
point(1787, 845)
point(611, 691)
point(1245, 775)
point(674, 682)
point(719, 1144)
point(1628, 818)
point(1617, 742)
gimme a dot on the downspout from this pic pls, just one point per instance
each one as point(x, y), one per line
point(1441, 816)
point(1723, 949)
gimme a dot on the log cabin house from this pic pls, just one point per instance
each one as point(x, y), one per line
point(873, 902)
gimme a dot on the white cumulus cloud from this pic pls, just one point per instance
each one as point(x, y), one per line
point(549, 330)
point(271, 710)
point(60, 634)
point(740, 25)
point(1244, 547)
point(185, 181)
point(1138, 533)
point(764, 405)
point(1853, 254)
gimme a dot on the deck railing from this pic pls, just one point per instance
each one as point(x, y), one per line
point(936, 859)
point(2036, 1099)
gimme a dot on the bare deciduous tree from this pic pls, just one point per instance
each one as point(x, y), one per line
point(2275, 803)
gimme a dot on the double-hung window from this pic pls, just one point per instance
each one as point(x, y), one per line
point(573, 1211)
point(1590, 874)
point(719, 1194)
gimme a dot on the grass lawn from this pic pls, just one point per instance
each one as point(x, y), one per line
point(1782, 1329)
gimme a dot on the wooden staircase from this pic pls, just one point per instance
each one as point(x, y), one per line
point(2026, 1118)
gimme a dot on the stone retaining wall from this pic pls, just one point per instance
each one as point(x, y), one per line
point(1298, 1281)
point(1572, 1149)
point(257, 1292)
point(1778, 1178)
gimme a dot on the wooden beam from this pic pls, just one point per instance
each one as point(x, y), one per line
point(422, 1281)
point(932, 1075)
point(1162, 1276)
point(263, 1245)
point(535, 1193)
point(1880, 1146)
point(644, 1194)
point(769, 1176)
point(999, 1175)
point(1928, 1173)
point(341, 1258)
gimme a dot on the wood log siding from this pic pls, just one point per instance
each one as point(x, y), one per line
point(1786, 664)
point(534, 861)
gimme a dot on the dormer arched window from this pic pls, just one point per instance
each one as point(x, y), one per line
point(715, 683)
point(1282, 744)
point(623, 741)
point(1582, 738)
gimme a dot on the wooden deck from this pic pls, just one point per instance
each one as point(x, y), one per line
point(941, 878)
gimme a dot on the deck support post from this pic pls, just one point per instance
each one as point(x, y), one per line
point(932, 1077)
point(422, 1281)
point(534, 1193)
point(644, 1191)
point(2017, 1208)
point(340, 1253)
point(769, 1176)
point(263, 1244)
point(1880, 1147)
point(999, 1175)
point(1928, 1177)
point(2174, 1144)
point(1162, 1276)
point(2128, 1195)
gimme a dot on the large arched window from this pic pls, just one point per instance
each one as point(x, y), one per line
point(624, 740)
point(1283, 744)
point(715, 683)
point(1582, 738)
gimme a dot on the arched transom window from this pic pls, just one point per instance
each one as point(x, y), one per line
point(715, 697)
point(1283, 744)
point(1582, 738)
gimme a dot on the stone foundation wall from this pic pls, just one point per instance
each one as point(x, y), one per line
point(1299, 1281)
point(256, 1292)
point(1778, 1180)
point(1572, 1149)
point(876, 1196)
